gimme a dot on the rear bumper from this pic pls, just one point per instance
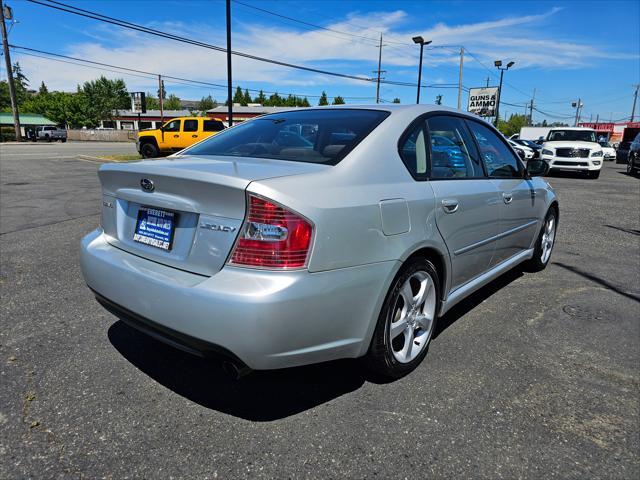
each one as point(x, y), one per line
point(264, 319)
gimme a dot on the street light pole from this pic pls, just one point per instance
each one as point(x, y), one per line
point(498, 64)
point(419, 40)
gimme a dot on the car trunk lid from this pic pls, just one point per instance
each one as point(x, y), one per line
point(203, 196)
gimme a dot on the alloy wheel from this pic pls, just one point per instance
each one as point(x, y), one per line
point(413, 317)
point(548, 237)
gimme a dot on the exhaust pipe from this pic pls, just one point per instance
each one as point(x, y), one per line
point(234, 370)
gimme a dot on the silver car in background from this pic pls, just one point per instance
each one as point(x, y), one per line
point(317, 234)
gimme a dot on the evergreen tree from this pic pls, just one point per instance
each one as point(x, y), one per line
point(247, 98)
point(305, 102)
point(274, 100)
point(43, 90)
point(238, 97)
point(396, 100)
point(206, 103)
point(261, 98)
point(323, 99)
point(338, 100)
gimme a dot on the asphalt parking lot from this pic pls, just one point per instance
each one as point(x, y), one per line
point(535, 376)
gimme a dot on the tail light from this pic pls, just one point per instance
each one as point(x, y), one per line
point(272, 237)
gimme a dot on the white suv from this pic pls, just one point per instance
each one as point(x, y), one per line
point(574, 149)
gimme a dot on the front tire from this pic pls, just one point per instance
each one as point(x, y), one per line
point(544, 243)
point(149, 150)
point(406, 322)
point(593, 174)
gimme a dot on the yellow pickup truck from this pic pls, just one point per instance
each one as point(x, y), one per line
point(176, 134)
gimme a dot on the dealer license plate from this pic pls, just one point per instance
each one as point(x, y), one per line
point(155, 227)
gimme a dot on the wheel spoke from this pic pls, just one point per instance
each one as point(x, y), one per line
point(397, 328)
point(407, 294)
point(408, 343)
point(420, 298)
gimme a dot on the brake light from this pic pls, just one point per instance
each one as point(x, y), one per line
point(272, 237)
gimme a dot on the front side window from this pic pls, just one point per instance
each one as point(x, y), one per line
point(190, 126)
point(315, 136)
point(453, 153)
point(497, 157)
point(172, 126)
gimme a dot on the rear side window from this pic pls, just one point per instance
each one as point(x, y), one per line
point(414, 152)
point(497, 157)
point(453, 153)
point(213, 126)
point(190, 126)
point(315, 136)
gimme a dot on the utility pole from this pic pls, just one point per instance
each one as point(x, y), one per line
point(577, 107)
point(460, 78)
point(12, 87)
point(229, 87)
point(531, 108)
point(160, 97)
point(635, 98)
point(379, 72)
point(487, 81)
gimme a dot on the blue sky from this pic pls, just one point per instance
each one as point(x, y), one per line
point(564, 50)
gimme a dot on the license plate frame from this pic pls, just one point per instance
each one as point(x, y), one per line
point(155, 227)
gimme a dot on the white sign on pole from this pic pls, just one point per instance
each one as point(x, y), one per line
point(482, 101)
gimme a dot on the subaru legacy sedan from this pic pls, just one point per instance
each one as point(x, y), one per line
point(317, 234)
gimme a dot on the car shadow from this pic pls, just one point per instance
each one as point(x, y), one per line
point(475, 299)
point(262, 395)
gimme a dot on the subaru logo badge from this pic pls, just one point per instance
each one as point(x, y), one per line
point(147, 185)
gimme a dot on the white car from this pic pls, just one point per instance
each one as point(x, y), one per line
point(573, 148)
point(608, 152)
point(528, 152)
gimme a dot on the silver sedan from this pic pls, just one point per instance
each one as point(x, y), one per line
point(318, 234)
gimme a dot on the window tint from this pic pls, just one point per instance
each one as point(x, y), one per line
point(316, 136)
point(213, 126)
point(172, 126)
point(190, 126)
point(453, 153)
point(414, 152)
point(498, 158)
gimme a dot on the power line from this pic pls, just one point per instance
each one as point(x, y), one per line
point(122, 23)
point(139, 73)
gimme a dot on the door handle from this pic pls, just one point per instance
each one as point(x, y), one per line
point(450, 205)
point(194, 136)
point(507, 197)
point(176, 136)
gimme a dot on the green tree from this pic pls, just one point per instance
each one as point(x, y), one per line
point(152, 102)
point(274, 100)
point(238, 97)
point(246, 98)
point(323, 99)
point(207, 103)
point(164, 92)
point(513, 125)
point(261, 98)
point(338, 100)
point(172, 102)
point(396, 100)
point(305, 102)
point(5, 99)
point(104, 98)
point(43, 90)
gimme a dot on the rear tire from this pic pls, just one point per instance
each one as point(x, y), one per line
point(406, 322)
point(48, 138)
point(63, 140)
point(544, 244)
point(148, 150)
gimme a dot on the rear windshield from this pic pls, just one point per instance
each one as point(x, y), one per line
point(572, 136)
point(315, 136)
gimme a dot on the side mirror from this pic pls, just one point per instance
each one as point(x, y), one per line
point(521, 154)
point(537, 168)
